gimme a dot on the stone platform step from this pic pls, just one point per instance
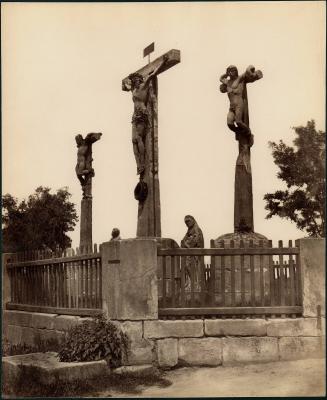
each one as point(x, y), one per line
point(47, 369)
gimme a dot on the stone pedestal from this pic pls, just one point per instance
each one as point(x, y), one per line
point(129, 279)
point(225, 241)
point(313, 264)
point(86, 223)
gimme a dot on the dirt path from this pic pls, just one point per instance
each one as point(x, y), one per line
point(291, 378)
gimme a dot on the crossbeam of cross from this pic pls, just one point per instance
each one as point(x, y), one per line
point(145, 141)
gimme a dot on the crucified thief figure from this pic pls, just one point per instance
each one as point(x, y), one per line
point(235, 87)
point(84, 170)
point(140, 120)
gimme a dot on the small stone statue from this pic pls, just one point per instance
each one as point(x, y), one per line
point(115, 235)
point(139, 86)
point(84, 170)
point(235, 86)
point(192, 239)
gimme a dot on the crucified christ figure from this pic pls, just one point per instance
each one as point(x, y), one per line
point(235, 87)
point(84, 170)
point(139, 86)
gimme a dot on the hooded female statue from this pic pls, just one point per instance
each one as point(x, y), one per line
point(192, 239)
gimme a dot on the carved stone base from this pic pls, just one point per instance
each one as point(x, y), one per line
point(237, 237)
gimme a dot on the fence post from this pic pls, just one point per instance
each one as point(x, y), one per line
point(129, 279)
point(6, 286)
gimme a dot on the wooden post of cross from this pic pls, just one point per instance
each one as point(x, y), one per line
point(145, 140)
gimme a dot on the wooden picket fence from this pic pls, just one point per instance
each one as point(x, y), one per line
point(56, 282)
point(255, 280)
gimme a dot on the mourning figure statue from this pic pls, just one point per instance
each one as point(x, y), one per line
point(192, 239)
point(84, 170)
point(139, 86)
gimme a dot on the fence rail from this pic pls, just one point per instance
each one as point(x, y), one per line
point(236, 281)
point(66, 285)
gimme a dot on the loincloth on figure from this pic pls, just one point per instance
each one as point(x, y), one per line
point(236, 108)
point(140, 115)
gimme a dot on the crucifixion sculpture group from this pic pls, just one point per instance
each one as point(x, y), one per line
point(143, 85)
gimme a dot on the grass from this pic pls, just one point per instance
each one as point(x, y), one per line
point(9, 349)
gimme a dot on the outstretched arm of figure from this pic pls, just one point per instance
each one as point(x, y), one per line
point(251, 75)
point(127, 85)
point(155, 72)
point(92, 137)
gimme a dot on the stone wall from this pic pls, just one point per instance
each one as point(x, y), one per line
point(213, 342)
point(19, 327)
point(202, 342)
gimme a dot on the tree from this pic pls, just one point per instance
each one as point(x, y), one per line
point(302, 168)
point(39, 222)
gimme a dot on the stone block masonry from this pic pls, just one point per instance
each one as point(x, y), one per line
point(202, 342)
point(249, 349)
point(163, 329)
point(213, 342)
point(200, 352)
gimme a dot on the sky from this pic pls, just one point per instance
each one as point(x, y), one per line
point(62, 67)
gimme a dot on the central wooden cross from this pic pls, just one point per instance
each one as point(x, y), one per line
point(145, 140)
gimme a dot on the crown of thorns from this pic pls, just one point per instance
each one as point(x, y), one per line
point(135, 75)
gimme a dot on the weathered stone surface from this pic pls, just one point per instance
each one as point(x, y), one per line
point(5, 331)
point(50, 335)
point(140, 352)
point(254, 349)
point(312, 256)
point(21, 318)
point(237, 237)
point(64, 322)
point(29, 335)
point(43, 321)
point(235, 327)
point(204, 351)
point(136, 370)
point(133, 329)
point(293, 327)
point(167, 352)
point(48, 369)
point(164, 329)
point(297, 348)
point(14, 334)
point(130, 288)
point(322, 326)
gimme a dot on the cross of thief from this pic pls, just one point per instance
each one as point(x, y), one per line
point(144, 87)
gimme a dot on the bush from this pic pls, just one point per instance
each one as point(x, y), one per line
point(95, 339)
